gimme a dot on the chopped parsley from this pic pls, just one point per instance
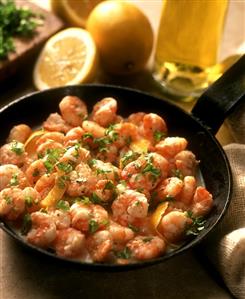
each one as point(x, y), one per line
point(134, 228)
point(8, 199)
point(158, 135)
point(93, 226)
point(63, 205)
point(128, 157)
point(26, 224)
point(95, 198)
point(124, 254)
point(65, 167)
point(17, 147)
point(196, 226)
point(28, 201)
point(62, 181)
point(14, 180)
point(15, 21)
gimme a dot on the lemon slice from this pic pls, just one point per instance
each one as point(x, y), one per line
point(30, 144)
point(69, 57)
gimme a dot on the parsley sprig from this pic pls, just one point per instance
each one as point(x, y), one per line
point(15, 21)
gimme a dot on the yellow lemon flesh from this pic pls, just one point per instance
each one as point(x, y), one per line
point(74, 12)
point(69, 57)
point(123, 36)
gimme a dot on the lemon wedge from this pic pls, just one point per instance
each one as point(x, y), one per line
point(69, 57)
point(30, 144)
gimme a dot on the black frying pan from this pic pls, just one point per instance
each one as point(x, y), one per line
point(199, 129)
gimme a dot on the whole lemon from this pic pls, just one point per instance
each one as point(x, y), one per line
point(123, 36)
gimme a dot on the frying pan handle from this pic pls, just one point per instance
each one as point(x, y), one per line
point(220, 99)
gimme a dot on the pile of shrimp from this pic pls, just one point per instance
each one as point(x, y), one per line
point(97, 187)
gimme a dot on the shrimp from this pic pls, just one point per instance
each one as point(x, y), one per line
point(73, 136)
point(146, 247)
point(11, 175)
point(93, 128)
point(73, 110)
point(154, 127)
point(123, 134)
point(62, 219)
point(35, 170)
point(129, 208)
point(110, 154)
point(105, 171)
point(173, 226)
point(188, 190)
point(104, 190)
point(13, 153)
point(171, 146)
point(82, 181)
point(69, 242)
point(19, 133)
point(136, 118)
point(12, 203)
point(88, 217)
point(185, 161)
point(120, 234)
point(43, 230)
point(48, 145)
point(104, 112)
point(56, 123)
point(45, 184)
point(32, 199)
point(99, 245)
point(54, 136)
point(146, 171)
point(75, 155)
point(202, 202)
point(168, 189)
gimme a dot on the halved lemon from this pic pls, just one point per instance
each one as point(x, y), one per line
point(69, 57)
point(75, 12)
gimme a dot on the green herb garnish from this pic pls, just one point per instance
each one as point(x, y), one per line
point(15, 21)
point(14, 180)
point(124, 254)
point(93, 226)
point(196, 226)
point(158, 135)
point(63, 205)
point(17, 147)
point(26, 224)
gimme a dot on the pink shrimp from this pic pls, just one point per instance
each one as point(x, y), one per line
point(120, 234)
point(154, 127)
point(202, 202)
point(168, 189)
point(104, 190)
point(19, 133)
point(104, 112)
point(146, 247)
point(171, 146)
point(32, 199)
point(12, 203)
point(35, 170)
point(105, 170)
point(13, 153)
point(56, 123)
point(130, 207)
point(99, 245)
point(93, 128)
point(81, 181)
point(73, 136)
point(11, 175)
point(173, 226)
point(69, 242)
point(48, 145)
point(188, 190)
point(88, 217)
point(185, 161)
point(43, 230)
point(73, 110)
point(61, 218)
point(146, 171)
